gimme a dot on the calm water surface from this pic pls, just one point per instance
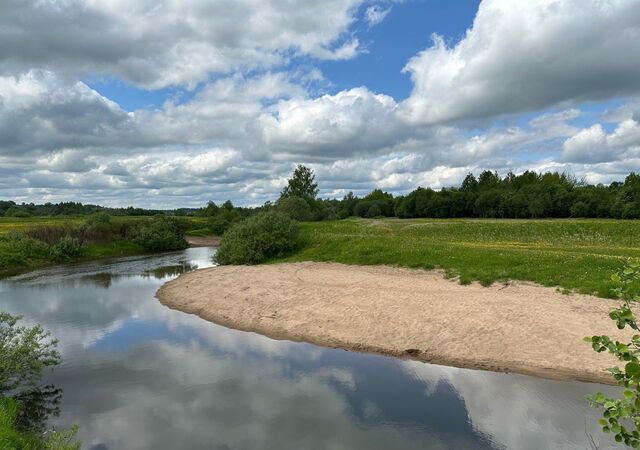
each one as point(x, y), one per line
point(137, 375)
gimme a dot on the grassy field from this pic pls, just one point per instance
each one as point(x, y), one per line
point(8, 224)
point(575, 255)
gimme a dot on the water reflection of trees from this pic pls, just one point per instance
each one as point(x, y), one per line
point(170, 271)
point(37, 406)
point(105, 279)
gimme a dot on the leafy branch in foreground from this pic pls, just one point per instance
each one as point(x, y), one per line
point(25, 405)
point(24, 353)
point(622, 415)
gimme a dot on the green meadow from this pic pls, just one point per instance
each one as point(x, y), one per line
point(574, 255)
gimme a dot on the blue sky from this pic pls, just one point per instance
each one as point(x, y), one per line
point(177, 103)
point(406, 30)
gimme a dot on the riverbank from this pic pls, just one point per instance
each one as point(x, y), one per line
point(203, 241)
point(518, 327)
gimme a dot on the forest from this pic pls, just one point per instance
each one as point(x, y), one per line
point(525, 196)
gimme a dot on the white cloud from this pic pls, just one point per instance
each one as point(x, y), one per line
point(349, 122)
point(165, 43)
point(594, 145)
point(243, 127)
point(42, 112)
point(527, 56)
point(68, 160)
point(375, 15)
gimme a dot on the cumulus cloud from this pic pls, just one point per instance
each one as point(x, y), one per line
point(42, 112)
point(68, 160)
point(333, 125)
point(158, 44)
point(595, 145)
point(526, 56)
point(251, 117)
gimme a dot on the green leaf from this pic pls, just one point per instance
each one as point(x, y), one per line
point(629, 394)
point(632, 369)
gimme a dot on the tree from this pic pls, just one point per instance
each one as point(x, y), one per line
point(301, 184)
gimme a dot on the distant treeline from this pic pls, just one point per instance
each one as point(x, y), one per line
point(529, 195)
point(12, 209)
point(525, 196)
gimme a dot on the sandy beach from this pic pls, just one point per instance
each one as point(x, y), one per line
point(203, 241)
point(518, 327)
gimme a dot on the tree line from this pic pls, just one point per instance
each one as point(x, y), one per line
point(528, 195)
point(9, 208)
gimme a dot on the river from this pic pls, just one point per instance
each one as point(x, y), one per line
point(138, 375)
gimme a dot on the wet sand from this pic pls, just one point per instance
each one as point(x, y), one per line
point(203, 241)
point(518, 327)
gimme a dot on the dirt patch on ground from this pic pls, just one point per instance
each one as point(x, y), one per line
point(417, 314)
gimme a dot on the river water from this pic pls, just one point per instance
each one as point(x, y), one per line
point(138, 375)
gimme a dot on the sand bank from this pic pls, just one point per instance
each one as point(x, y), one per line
point(417, 314)
point(203, 241)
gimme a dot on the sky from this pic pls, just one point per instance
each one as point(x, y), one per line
point(172, 103)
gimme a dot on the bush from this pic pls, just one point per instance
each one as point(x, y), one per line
point(24, 353)
point(221, 222)
point(162, 234)
point(14, 211)
point(17, 250)
point(66, 248)
point(12, 437)
point(631, 211)
point(580, 209)
point(258, 238)
point(295, 207)
point(374, 211)
point(326, 213)
point(98, 220)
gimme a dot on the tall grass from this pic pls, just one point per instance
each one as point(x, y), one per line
point(571, 254)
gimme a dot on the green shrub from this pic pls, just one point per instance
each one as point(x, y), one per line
point(295, 207)
point(14, 211)
point(162, 233)
point(258, 238)
point(24, 353)
point(374, 211)
point(17, 250)
point(66, 248)
point(580, 209)
point(221, 222)
point(52, 234)
point(631, 211)
point(98, 220)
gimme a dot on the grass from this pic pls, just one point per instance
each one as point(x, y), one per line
point(574, 255)
point(8, 224)
point(16, 259)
